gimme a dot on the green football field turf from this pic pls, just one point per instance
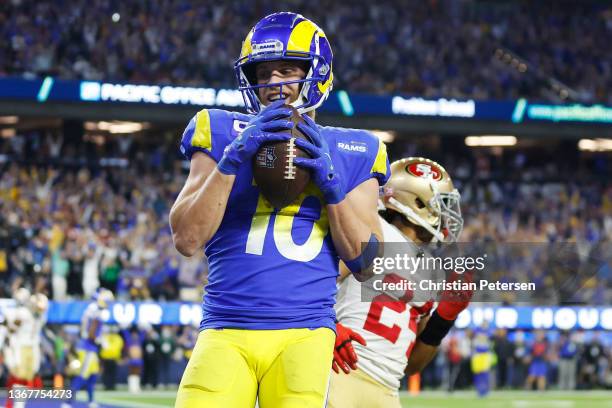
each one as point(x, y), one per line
point(427, 399)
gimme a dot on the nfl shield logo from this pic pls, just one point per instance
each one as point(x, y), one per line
point(266, 157)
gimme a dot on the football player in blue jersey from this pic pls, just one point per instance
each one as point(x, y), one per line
point(267, 331)
point(88, 347)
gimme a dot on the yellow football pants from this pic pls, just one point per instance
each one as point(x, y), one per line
point(90, 364)
point(481, 362)
point(230, 368)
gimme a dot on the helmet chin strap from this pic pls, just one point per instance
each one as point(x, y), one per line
point(409, 212)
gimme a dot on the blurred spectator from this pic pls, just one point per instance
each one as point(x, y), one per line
point(481, 361)
point(567, 365)
point(134, 339)
point(60, 352)
point(167, 345)
point(466, 347)
point(110, 356)
point(109, 263)
point(430, 48)
point(186, 341)
point(538, 366)
point(138, 289)
point(504, 349)
point(591, 358)
point(454, 358)
point(4, 251)
point(59, 270)
point(521, 358)
point(75, 274)
point(164, 282)
point(91, 273)
point(151, 359)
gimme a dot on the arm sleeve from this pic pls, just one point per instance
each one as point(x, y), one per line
point(374, 165)
point(197, 136)
point(209, 131)
point(381, 169)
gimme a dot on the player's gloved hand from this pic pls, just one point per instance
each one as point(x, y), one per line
point(259, 130)
point(345, 357)
point(453, 302)
point(324, 174)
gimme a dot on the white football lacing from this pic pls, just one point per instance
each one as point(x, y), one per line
point(290, 167)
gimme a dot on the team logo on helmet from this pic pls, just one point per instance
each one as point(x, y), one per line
point(424, 170)
point(291, 37)
point(423, 192)
point(270, 46)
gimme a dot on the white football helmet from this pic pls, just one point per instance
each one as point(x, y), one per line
point(22, 296)
point(422, 191)
point(103, 297)
point(39, 303)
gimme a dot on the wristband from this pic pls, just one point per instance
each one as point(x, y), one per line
point(364, 260)
point(436, 329)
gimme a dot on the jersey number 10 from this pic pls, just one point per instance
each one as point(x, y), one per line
point(283, 223)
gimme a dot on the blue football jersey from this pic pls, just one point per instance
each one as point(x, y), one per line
point(272, 268)
point(92, 315)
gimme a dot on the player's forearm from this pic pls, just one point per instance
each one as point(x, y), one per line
point(197, 213)
point(421, 355)
point(350, 232)
point(92, 333)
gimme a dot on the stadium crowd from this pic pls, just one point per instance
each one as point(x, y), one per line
point(576, 360)
point(69, 224)
point(431, 48)
point(68, 229)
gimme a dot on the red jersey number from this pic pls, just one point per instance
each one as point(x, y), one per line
point(373, 323)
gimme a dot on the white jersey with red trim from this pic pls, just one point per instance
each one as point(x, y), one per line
point(388, 326)
point(24, 327)
point(3, 336)
point(22, 351)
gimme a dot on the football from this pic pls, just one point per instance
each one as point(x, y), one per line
point(277, 177)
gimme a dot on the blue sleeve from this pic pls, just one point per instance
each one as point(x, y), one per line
point(208, 132)
point(375, 163)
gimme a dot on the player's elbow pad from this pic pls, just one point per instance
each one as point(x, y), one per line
point(364, 260)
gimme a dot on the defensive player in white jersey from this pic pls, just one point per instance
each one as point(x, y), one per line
point(396, 335)
point(3, 333)
point(22, 353)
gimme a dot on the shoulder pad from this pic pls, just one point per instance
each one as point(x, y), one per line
point(363, 153)
point(210, 130)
